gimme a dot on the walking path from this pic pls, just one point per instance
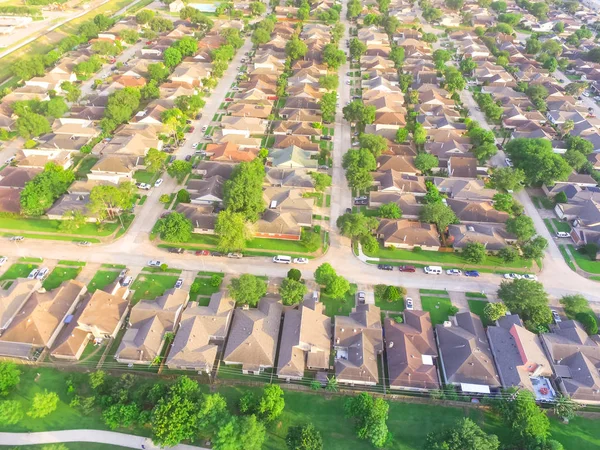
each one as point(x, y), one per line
point(99, 436)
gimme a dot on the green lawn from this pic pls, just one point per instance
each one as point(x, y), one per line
point(584, 261)
point(30, 259)
point(205, 286)
point(60, 274)
point(337, 306)
point(114, 266)
point(148, 286)
point(51, 226)
point(67, 262)
point(449, 258)
point(438, 307)
point(476, 307)
point(434, 291)
point(85, 166)
point(276, 245)
point(475, 295)
point(388, 306)
point(559, 225)
point(143, 176)
point(18, 271)
point(567, 257)
point(102, 279)
point(549, 226)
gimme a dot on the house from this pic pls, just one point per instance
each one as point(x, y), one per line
point(494, 237)
point(228, 152)
point(358, 342)
point(206, 191)
point(305, 340)
point(14, 297)
point(149, 323)
point(575, 360)
point(40, 320)
point(407, 234)
point(203, 217)
point(100, 316)
point(249, 110)
point(411, 352)
point(290, 178)
point(68, 203)
point(408, 203)
point(465, 354)
point(243, 126)
point(393, 181)
point(114, 169)
point(287, 213)
point(252, 341)
point(302, 142)
point(176, 6)
point(191, 72)
point(292, 157)
point(462, 167)
point(519, 356)
point(202, 331)
point(464, 188)
point(476, 211)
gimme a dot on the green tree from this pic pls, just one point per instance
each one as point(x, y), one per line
point(579, 144)
point(467, 65)
point(484, 152)
point(247, 289)
point(32, 125)
point(454, 81)
point(374, 143)
point(294, 274)
point(10, 412)
point(475, 252)
point(521, 226)
point(333, 57)
point(534, 248)
point(72, 221)
point(175, 228)
point(357, 48)
point(391, 294)
point(144, 16)
point(40, 192)
point(72, 91)
point(233, 231)
point(305, 437)
point(499, 6)
point(419, 134)
point(528, 424)
point(565, 408)
point(44, 403)
point(369, 416)
point(322, 181)
point(433, 194)
point(295, 48)
point(271, 404)
point(292, 292)
point(463, 434)
point(508, 254)
point(328, 104)
point(329, 82)
point(325, 274)
point(494, 311)
point(389, 211)
point(589, 322)
point(10, 376)
point(240, 432)
point(158, 72)
point(441, 57)
point(402, 135)
point(356, 225)
point(503, 202)
point(425, 162)
point(455, 4)
point(533, 46)
point(179, 169)
point(243, 191)
point(357, 112)
point(439, 214)
point(508, 179)
point(338, 287)
point(529, 300)
point(574, 304)
point(260, 36)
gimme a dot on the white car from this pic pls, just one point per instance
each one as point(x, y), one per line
point(454, 272)
point(158, 182)
point(300, 260)
point(32, 274)
point(195, 144)
point(361, 297)
point(17, 238)
point(42, 273)
point(586, 94)
point(144, 186)
point(179, 283)
point(154, 263)
point(529, 277)
point(562, 234)
point(11, 159)
point(409, 303)
point(126, 281)
point(512, 276)
point(556, 317)
point(508, 162)
point(2, 260)
point(204, 128)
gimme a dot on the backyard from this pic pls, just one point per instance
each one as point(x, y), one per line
point(148, 286)
point(59, 275)
point(203, 288)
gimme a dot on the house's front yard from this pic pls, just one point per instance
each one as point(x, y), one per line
point(52, 226)
point(148, 286)
point(584, 261)
point(102, 279)
point(438, 307)
point(59, 275)
point(476, 307)
point(18, 271)
point(339, 306)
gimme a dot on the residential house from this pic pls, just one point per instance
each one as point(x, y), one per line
point(393, 181)
point(476, 211)
point(287, 213)
point(292, 157)
point(203, 217)
point(229, 152)
point(206, 191)
point(494, 237)
point(13, 297)
point(406, 234)
point(243, 126)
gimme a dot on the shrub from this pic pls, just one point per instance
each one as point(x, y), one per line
point(30, 143)
point(398, 318)
point(216, 280)
point(294, 274)
point(452, 311)
point(588, 320)
point(417, 249)
point(561, 197)
point(591, 250)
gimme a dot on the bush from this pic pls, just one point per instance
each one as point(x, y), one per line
point(417, 249)
point(216, 280)
point(294, 274)
point(588, 320)
point(398, 318)
point(561, 197)
point(591, 250)
point(452, 311)
point(30, 143)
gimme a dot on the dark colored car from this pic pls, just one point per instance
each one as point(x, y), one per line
point(326, 138)
point(384, 267)
point(471, 273)
point(217, 254)
point(348, 210)
point(188, 157)
point(176, 250)
point(361, 202)
point(407, 269)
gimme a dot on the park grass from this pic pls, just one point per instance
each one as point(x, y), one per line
point(59, 275)
point(433, 291)
point(102, 279)
point(584, 262)
point(438, 307)
point(476, 307)
point(52, 226)
point(18, 271)
point(68, 262)
point(339, 306)
point(561, 226)
point(148, 286)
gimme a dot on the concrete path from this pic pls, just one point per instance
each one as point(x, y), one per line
point(99, 436)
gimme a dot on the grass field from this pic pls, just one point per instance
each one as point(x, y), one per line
point(584, 262)
point(102, 279)
point(205, 288)
point(438, 307)
point(559, 225)
point(476, 307)
point(433, 291)
point(339, 306)
point(85, 166)
point(149, 286)
point(60, 274)
point(52, 226)
point(18, 271)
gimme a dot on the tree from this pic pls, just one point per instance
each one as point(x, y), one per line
point(72, 221)
point(534, 248)
point(72, 91)
point(106, 200)
point(589, 322)
point(260, 36)
point(576, 88)
point(494, 311)
point(565, 407)
point(419, 134)
point(374, 143)
point(292, 292)
point(433, 194)
point(356, 111)
point(328, 105)
point(257, 8)
point(454, 80)
point(484, 152)
point(333, 57)
point(357, 48)
point(508, 179)
point(389, 211)
point(579, 144)
point(356, 225)
point(369, 244)
point(175, 228)
point(120, 415)
point(402, 135)
point(10, 376)
point(354, 9)
point(432, 14)
point(464, 434)
point(322, 181)
point(144, 16)
point(369, 415)
point(338, 287)
point(305, 437)
point(425, 162)
point(294, 274)
point(295, 48)
point(325, 274)
point(10, 412)
point(439, 214)
point(32, 125)
point(247, 289)
point(552, 47)
point(503, 202)
point(243, 191)
point(179, 169)
point(129, 36)
point(574, 304)
point(172, 57)
point(233, 231)
point(539, 163)
point(240, 432)
point(499, 6)
point(454, 4)
point(467, 65)
point(391, 294)
point(42, 191)
point(575, 159)
point(44, 403)
point(522, 227)
point(528, 424)
point(271, 404)
point(120, 107)
point(533, 46)
point(441, 57)
point(475, 252)
point(529, 300)
point(329, 82)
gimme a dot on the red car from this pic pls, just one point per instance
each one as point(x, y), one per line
point(407, 269)
point(190, 129)
point(229, 99)
point(202, 253)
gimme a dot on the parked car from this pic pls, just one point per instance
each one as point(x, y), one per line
point(217, 254)
point(2, 261)
point(144, 186)
point(154, 263)
point(195, 144)
point(407, 269)
point(176, 250)
point(471, 273)
point(362, 197)
point(42, 273)
point(188, 157)
point(361, 297)
point(191, 129)
point(361, 202)
point(158, 182)
point(17, 238)
point(126, 281)
point(300, 260)
point(32, 274)
point(234, 255)
point(562, 234)
point(202, 253)
point(409, 303)
point(556, 317)
point(123, 273)
point(326, 138)
point(204, 128)
point(508, 162)
point(179, 283)
point(454, 272)
point(385, 267)
point(11, 159)
point(84, 243)
point(512, 276)
point(529, 277)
